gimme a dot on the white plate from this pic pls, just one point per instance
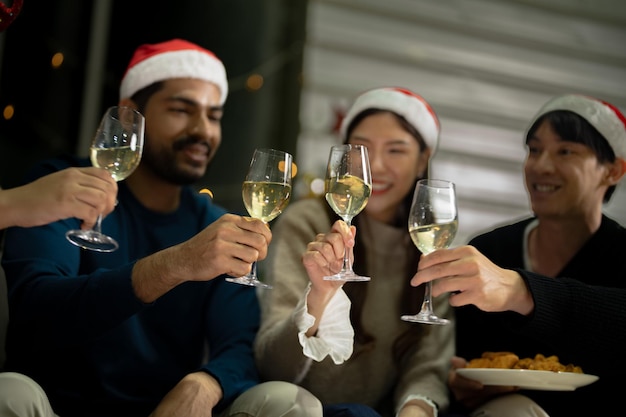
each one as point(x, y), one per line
point(529, 379)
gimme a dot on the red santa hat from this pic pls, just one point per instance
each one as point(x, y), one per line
point(176, 58)
point(403, 102)
point(606, 118)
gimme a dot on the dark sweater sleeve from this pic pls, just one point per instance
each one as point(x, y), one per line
point(233, 318)
point(586, 318)
point(50, 294)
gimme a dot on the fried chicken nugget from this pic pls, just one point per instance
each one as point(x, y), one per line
point(573, 368)
point(548, 366)
point(479, 363)
point(525, 363)
point(503, 360)
point(509, 360)
point(492, 355)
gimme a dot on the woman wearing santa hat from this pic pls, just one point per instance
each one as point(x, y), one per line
point(554, 283)
point(346, 343)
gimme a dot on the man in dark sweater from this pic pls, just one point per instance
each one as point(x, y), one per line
point(152, 329)
point(552, 284)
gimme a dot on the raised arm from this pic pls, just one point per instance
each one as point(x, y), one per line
point(73, 192)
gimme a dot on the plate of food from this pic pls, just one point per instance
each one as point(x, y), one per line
point(528, 378)
point(538, 373)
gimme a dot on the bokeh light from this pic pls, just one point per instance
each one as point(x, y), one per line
point(254, 82)
point(57, 60)
point(8, 112)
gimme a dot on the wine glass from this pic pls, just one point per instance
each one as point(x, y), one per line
point(117, 147)
point(266, 192)
point(433, 223)
point(348, 187)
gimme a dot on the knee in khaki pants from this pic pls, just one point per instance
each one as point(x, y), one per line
point(275, 399)
point(20, 396)
point(510, 405)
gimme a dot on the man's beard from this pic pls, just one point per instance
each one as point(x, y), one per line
point(163, 163)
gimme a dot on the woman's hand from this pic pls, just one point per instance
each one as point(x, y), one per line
point(323, 257)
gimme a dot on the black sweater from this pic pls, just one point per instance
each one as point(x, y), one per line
point(580, 318)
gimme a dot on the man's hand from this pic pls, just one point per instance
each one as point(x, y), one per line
point(228, 246)
point(472, 278)
point(83, 193)
point(194, 396)
point(468, 392)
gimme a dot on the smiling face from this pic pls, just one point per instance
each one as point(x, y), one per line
point(563, 178)
point(183, 130)
point(395, 160)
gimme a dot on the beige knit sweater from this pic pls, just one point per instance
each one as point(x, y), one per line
point(370, 377)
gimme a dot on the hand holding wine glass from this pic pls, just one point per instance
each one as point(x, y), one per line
point(266, 192)
point(433, 223)
point(117, 147)
point(348, 187)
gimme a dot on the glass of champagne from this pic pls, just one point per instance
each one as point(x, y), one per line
point(348, 187)
point(433, 223)
point(117, 147)
point(266, 192)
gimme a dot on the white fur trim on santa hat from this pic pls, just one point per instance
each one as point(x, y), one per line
point(407, 104)
point(175, 64)
point(607, 119)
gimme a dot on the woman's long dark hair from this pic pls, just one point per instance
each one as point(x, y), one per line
point(410, 302)
point(573, 128)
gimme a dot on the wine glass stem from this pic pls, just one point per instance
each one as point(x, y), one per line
point(98, 226)
point(426, 304)
point(347, 266)
point(253, 276)
point(346, 261)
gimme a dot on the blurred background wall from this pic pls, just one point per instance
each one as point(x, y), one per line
point(486, 67)
point(294, 66)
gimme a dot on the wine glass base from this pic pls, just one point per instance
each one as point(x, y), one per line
point(251, 282)
point(347, 276)
point(425, 318)
point(92, 240)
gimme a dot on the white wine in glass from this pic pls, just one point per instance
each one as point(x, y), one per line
point(433, 223)
point(117, 147)
point(266, 191)
point(348, 187)
point(265, 200)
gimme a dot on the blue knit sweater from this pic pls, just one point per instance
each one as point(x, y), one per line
point(78, 329)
